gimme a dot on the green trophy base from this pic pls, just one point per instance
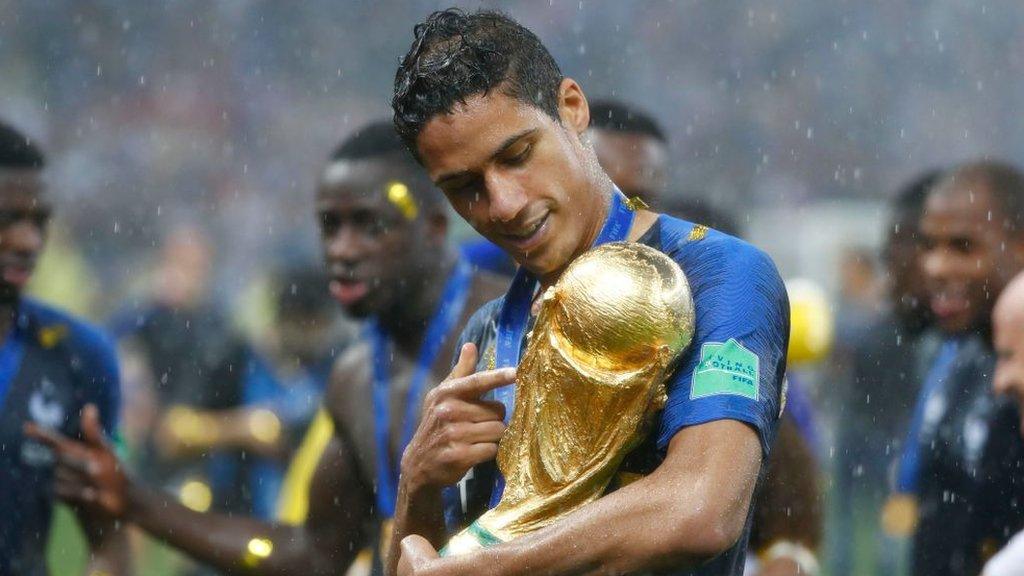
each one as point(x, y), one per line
point(473, 538)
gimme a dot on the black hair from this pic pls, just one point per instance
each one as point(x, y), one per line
point(455, 55)
point(617, 116)
point(378, 140)
point(1003, 180)
point(909, 198)
point(303, 292)
point(17, 151)
point(371, 141)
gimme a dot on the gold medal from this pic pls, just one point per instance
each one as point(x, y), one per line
point(899, 516)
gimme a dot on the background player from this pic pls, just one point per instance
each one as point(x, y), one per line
point(51, 366)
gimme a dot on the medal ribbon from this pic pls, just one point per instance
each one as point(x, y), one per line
point(515, 313)
point(910, 460)
point(449, 310)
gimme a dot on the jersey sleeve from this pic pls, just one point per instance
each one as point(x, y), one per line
point(735, 365)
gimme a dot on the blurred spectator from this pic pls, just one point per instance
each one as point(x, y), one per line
point(632, 148)
point(1008, 337)
point(171, 344)
point(270, 392)
point(961, 460)
point(877, 391)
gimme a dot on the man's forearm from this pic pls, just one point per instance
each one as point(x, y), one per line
point(633, 529)
point(417, 511)
point(111, 554)
point(689, 510)
point(235, 545)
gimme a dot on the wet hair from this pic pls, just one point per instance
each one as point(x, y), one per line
point(373, 140)
point(379, 141)
point(302, 292)
point(616, 116)
point(456, 55)
point(908, 202)
point(1003, 180)
point(17, 151)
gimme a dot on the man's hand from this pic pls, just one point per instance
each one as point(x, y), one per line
point(458, 429)
point(417, 556)
point(86, 473)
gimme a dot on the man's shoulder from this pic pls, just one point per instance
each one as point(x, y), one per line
point(691, 243)
point(713, 259)
point(350, 377)
point(50, 326)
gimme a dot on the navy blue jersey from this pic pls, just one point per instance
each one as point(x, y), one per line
point(63, 364)
point(733, 369)
point(971, 484)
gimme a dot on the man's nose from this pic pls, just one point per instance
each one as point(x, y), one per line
point(506, 198)
point(345, 244)
point(937, 263)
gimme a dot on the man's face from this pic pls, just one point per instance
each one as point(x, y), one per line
point(968, 258)
point(371, 248)
point(1008, 336)
point(637, 163)
point(24, 215)
point(519, 177)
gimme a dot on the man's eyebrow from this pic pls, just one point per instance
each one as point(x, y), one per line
point(508, 143)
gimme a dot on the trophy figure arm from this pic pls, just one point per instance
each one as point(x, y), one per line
point(690, 509)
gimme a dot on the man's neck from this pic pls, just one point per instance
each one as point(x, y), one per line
point(642, 221)
point(406, 321)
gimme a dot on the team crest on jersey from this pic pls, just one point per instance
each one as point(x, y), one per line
point(698, 232)
point(43, 406)
point(50, 336)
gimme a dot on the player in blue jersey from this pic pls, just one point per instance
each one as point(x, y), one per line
point(485, 109)
point(51, 366)
point(960, 460)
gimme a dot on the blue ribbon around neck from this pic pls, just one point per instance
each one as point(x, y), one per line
point(909, 465)
point(447, 314)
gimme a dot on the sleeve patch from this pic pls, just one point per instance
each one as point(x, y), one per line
point(727, 368)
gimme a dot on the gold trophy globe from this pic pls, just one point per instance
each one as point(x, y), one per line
point(593, 374)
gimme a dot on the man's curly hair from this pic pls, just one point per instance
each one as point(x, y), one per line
point(456, 55)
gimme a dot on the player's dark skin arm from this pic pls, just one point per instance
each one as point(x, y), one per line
point(109, 549)
point(91, 477)
point(789, 505)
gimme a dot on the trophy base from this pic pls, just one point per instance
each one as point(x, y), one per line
point(473, 538)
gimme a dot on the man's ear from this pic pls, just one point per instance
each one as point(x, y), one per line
point(573, 110)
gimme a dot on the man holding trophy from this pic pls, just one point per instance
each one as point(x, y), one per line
point(647, 353)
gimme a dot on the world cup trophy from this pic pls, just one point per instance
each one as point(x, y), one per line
point(593, 374)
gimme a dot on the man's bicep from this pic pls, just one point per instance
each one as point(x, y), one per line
point(722, 459)
point(339, 500)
